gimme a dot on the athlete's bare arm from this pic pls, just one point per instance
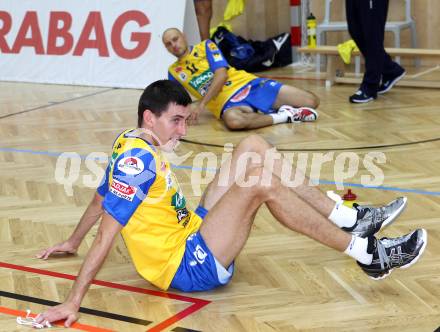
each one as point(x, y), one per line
point(218, 81)
point(95, 258)
point(89, 218)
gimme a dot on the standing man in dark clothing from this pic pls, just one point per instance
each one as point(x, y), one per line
point(366, 23)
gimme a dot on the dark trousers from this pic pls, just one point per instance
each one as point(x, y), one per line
point(366, 24)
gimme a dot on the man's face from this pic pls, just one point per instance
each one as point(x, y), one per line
point(175, 42)
point(170, 126)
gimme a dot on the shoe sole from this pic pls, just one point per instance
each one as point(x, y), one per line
point(397, 79)
point(396, 213)
point(425, 242)
point(422, 249)
point(363, 101)
point(314, 113)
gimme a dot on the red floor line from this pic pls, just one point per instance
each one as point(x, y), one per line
point(173, 319)
point(103, 283)
point(197, 304)
point(78, 326)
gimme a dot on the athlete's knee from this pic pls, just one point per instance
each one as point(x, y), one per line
point(254, 143)
point(260, 181)
point(312, 100)
point(234, 121)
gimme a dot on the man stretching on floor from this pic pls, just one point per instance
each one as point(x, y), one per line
point(241, 100)
point(172, 246)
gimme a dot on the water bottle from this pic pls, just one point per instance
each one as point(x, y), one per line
point(311, 31)
point(349, 198)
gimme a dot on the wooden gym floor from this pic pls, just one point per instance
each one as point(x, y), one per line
point(283, 280)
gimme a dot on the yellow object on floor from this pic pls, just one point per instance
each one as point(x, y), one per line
point(349, 203)
point(233, 9)
point(345, 50)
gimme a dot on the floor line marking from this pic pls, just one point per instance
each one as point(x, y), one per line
point(197, 304)
point(204, 169)
point(56, 103)
point(89, 311)
point(78, 326)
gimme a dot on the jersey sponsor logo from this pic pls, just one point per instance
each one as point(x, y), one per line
point(178, 201)
point(241, 95)
point(183, 214)
point(131, 165)
point(204, 90)
point(169, 180)
point(115, 154)
point(202, 82)
point(212, 47)
point(183, 76)
point(200, 254)
point(178, 69)
point(217, 57)
point(122, 190)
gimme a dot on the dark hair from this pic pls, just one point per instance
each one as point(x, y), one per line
point(158, 95)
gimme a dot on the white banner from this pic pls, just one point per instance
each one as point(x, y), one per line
point(90, 42)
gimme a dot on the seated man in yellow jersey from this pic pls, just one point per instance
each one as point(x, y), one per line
point(241, 100)
point(172, 246)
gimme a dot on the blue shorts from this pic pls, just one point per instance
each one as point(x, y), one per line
point(199, 270)
point(259, 94)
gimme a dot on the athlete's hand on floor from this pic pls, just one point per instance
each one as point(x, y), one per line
point(195, 112)
point(67, 311)
point(60, 248)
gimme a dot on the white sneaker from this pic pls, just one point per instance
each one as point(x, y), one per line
point(301, 114)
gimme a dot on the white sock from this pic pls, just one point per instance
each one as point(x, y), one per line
point(280, 117)
point(343, 216)
point(358, 250)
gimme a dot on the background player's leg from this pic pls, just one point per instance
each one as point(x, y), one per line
point(242, 117)
point(204, 14)
point(289, 95)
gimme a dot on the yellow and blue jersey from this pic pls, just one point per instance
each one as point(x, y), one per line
point(142, 194)
point(195, 72)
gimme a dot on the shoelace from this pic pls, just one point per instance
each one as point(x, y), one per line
point(30, 321)
point(383, 257)
point(377, 214)
point(377, 218)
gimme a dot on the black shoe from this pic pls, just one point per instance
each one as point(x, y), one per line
point(401, 252)
point(387, 84)
point(361, 97)
point(372, 219)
